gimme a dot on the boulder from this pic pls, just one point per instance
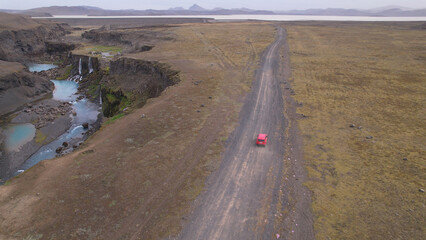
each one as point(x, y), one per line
point(59, 150)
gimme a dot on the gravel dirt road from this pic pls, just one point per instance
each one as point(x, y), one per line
point(241, 196)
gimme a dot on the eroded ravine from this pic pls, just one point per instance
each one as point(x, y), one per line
point(231, 206)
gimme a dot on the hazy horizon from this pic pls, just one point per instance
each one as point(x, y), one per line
point(273, 5)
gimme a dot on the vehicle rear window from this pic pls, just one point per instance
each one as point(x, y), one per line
point(260, 140)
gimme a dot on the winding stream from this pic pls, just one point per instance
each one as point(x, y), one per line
point(87, 112)
point(21, 139)
point(17, 135)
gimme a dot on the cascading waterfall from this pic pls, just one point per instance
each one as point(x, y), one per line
point(90, 65)
point(100, 96)
point(79, 67)
point(80, 70)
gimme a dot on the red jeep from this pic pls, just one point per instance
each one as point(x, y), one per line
point(262, 139)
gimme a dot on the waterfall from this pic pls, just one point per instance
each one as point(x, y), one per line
point(100, 96)
point(79, 67)
point(75, 78)
point(90, 65)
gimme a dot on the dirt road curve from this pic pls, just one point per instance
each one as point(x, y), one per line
point(241, 196)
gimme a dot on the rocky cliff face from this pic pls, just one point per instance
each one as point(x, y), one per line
point(132, 80)
point(18, 87)
point(19, 42)
point(140, 74)
point(132, 41)
point(82, 63)
point(106, 37)
point(23, 39)
point(58, 47)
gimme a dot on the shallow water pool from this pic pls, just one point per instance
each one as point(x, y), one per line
point(65, 91)
point(18, 135)
point(35, 67)
point(87, 112)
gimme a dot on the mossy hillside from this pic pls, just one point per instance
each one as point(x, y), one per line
point(66, 74)
point(131, 82)
point(91, 84)
point(111, 101)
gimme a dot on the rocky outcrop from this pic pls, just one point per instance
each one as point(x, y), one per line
point(43, 113)
point(135, 41)
point(111, 101)
point(58, 47)
point(18, 87)
point(106, 37)
point(20, 42)
point(144, 48)
point(143, 75)
point(132, 80)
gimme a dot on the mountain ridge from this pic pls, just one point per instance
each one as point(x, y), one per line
point(387, 11)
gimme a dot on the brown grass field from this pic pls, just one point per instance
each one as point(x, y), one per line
point(137, 177)
point(372, 75)
point(221, 58)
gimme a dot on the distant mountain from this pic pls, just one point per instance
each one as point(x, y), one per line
point(400, 13)
point(385, 8)
point(95, 11)
point(177, 9)
point(326, 12)
point(388, 11)
point(195, 7)
point(379, 12)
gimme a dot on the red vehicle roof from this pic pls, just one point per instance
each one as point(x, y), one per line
point(262, 136)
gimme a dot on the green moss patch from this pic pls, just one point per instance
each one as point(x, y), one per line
point(66, 74)
point(105, 49)
point(40, 137)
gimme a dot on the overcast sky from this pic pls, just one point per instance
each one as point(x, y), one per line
point(210, 4)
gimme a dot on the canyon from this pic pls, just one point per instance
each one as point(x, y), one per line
point(114, 84)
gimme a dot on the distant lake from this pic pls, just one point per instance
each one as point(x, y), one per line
point(264, 17)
